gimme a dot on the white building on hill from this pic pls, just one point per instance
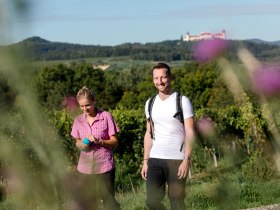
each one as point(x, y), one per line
point(204, 36)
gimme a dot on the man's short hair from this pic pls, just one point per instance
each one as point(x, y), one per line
point(163, 66)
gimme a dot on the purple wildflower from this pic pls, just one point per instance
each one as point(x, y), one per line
point(70, 103)
point(207, 50)
point(266, 80)
point(205, 127)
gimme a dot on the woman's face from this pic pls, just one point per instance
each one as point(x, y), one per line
point(86, 105)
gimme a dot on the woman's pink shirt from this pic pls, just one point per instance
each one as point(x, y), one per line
point(97, 159)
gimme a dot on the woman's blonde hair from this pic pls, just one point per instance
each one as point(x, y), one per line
point(85, 92)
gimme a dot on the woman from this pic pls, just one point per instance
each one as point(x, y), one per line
point(96, 164)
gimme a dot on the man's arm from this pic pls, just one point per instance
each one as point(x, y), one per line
point(147, 148)
point(189, 140)
point(189, 136)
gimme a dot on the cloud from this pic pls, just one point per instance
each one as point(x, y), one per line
point(205, 11)
point(224, 10)
point(76, 18)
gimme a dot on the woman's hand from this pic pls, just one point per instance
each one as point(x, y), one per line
point(80, 145)
point(94, 140)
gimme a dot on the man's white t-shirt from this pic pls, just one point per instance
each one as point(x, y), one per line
point(169, 132)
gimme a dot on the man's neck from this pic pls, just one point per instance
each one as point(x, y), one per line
point(164, 96)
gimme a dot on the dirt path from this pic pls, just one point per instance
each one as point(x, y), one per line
point(269, 207)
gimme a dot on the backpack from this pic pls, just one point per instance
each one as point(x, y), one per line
point(178, 115)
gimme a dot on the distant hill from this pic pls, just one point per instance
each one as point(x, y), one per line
point(35, 39)
point(259, 41)
point(36, 48)
point(276, 42)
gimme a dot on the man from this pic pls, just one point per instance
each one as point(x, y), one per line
point(165, 162)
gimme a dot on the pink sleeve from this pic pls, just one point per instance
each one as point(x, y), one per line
point(112, 126)
point(75, 132)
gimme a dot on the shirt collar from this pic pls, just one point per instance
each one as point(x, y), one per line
point(97, 117)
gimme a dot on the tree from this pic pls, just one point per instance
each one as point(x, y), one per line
point(53, 84)
point(197, 83)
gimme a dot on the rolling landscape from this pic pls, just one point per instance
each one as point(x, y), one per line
point(235, 160)
point(39, 49)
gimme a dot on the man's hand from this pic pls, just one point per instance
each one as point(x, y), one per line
point(183, 169)
point(144, 170)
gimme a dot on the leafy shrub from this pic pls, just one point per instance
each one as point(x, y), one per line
point(62, 122)
point(129, 154)
point(257, 168)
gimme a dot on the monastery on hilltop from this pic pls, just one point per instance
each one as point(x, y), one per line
point(204, 35)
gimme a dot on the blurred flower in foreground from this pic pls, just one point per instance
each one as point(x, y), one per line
point(205, 127)
point(207, 50)
point(70, 103)
point(266, 80)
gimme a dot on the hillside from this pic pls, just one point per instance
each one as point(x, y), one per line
point(259, 41)
point(38, 49)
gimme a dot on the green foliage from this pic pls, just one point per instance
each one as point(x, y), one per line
point(62, 122)
point(256, 193)
point(7, 93)
point(214, 194)
point(56, 83)
point(135, 200)
point(110, 96)
point(198, 84)
point(225, 192)
point(128, 100)
point(86, 75)
point(2, 192)
point(129, 154)
point(258, 168)
point(274, 107)
point(229, 192)
point(234, 137)
point(220, 96)
point(53, 84)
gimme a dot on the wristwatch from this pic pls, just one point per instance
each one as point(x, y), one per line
point(187, 158)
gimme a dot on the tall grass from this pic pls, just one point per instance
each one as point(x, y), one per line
point(30, 149)
point(32, 160)
point(227, 192)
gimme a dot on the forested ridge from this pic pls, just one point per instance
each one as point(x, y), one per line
point(36, 49)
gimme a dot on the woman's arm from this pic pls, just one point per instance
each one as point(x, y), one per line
point(110, 143)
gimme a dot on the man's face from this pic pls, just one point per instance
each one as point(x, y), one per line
point(161, 80)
